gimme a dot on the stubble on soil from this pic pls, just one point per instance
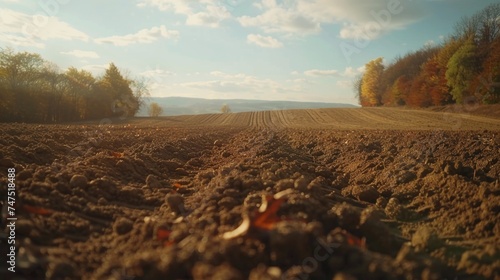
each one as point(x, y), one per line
point(370, 194)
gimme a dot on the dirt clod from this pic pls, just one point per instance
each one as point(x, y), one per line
point(78, 181)
point(175, 202)
point(122, 226)
point(425, 238)
point(61, 270)
point(153, 182)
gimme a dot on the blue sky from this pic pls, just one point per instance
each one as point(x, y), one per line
point(302, 50)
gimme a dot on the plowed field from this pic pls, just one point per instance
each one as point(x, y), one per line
point(301, 194)
point(340, 119)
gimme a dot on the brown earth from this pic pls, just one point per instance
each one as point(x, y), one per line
point(325, 194)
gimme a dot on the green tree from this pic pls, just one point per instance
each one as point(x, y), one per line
point(371, 93)
point(462, 69)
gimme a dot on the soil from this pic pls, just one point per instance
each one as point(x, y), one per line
point(378, 193)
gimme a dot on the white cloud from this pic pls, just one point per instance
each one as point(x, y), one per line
point(223, 75)
point(317, 72)
point(211, 17)
point(143, 36)
point(240, 83)
point(264, 41)
point(198, 12)
point(281, 19)
point(29, 30)
point(363, 31)
point(303, 17)
point(177, 6)
point(157, 78)
point(82, 54)
point(349, 72)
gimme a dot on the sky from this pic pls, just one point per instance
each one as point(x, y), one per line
point(296, 50)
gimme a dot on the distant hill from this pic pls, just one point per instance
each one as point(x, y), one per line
point(174, 106)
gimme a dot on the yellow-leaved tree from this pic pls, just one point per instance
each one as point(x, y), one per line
point(155, 110)
point(371, 93)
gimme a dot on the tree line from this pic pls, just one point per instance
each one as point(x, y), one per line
point(35, 90)
point(465, 68)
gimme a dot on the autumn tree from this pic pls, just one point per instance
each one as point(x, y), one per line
point(112, 88)
point(435, 70)
point(155, 110)
point(114, 96)
point(20, 74)
point(430, 76)
point(462, 69)
point(405, 69)
point(225, 109)
point(419, 92)
point(371, 94)
point(35, 90)
point(483, 30)
point(397, 94)
point(81, 85)
point(487, 83)
point(20, 70)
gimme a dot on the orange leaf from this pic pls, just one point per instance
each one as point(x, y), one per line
point(168, 243)
point(265, 218)
point(36, 210)
point(163, 234)
point(116, 154)
point(268, 218)
point(353, 240)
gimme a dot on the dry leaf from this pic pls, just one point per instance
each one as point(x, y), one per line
point(350, 239)
point(116, 154)
point(162, 234)
point(36, 210)
point(265, 218)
